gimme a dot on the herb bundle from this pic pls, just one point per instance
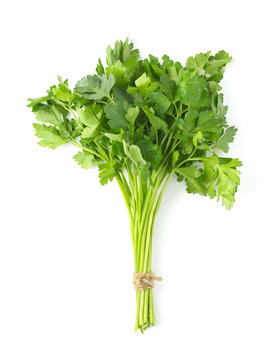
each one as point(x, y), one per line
point(142, 122)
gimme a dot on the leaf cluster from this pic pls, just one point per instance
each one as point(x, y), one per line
point(146, 116)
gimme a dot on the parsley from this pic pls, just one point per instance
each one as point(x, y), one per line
point(142, 122)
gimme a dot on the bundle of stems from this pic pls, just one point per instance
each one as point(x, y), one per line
point(143, 201)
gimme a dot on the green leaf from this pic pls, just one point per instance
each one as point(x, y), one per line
point(114, 137)
point(188, 171)
point(203, 101)
point(122, 51)
point(221, 58)
point(167, 62)
point(186, 143)
point(154, 66)
point(134, 154)
point(214, 87)
point(144, 85)
point(197, 137)
point(198, 62)
point(191, 89)
point(62, 92)
point(90, 115)
point(208, 122)
point(66, 129)
point(95, 87)
point(155, 121)
point(119, 71)
point(175, 157)
point(121, 95)
point(38, 100)
point(116, 114)
point(176, 73)
point(211, 189)
point(76, 129)
point(150, 151)
point(187, 146)
point(133, 65)
point(128, 56)
point(127, 52)
point(216, 65)
point(84, 159)
point(225, 139)
point(218, 106)
point(132, 115)
point(190, 120)
point(88, 133)
point(193, 181)
point(161, 101)
point(49, 136)
point(222, 173)
point(48, 113)
point(143, 81)
point(69, 129)
point(117, 149)
point(159, 124)
point(107, 171)
point(100, 68)
point(168, 87)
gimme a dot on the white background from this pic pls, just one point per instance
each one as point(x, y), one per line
point(65, 254)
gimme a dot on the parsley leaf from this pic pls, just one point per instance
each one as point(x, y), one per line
point(192, 178)
point(150, 151)
point(49, 136)
point(95, 87)
point(48, 113)
point(116, 114)
point(228, 137)
point(191, 90)
point(85, 160)
point(222, 173)
point(107, 171)
point(168, 86)
point(144, 85)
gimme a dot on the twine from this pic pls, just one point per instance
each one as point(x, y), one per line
point(144, 281)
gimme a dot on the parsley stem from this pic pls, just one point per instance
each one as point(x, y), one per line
point(147, 204)
point(75, 118)
point(106, 158)
point(189, 159)
point(125, 183)
point(111, 100)
point(69, 109)
point(75, 143)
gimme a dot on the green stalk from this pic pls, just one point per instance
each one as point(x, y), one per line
point(143, 201)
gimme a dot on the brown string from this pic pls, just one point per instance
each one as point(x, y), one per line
point(143, 281)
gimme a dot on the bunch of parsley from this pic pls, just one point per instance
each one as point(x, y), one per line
point(141, 122)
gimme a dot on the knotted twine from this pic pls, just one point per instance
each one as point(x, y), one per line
point(144, 281)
